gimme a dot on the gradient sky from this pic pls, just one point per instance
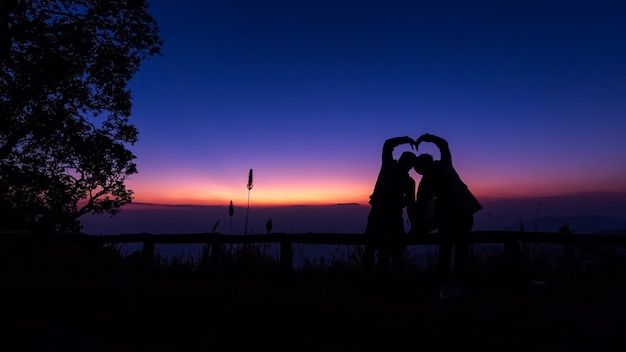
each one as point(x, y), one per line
point(530, 95)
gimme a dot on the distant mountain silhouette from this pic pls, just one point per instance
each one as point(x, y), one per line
point(335, 218)
point(577, 224)
point(159, 218)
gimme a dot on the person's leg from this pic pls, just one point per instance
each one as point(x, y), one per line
point(398, 260)
point(461, 252)
point(372, 231)
point(389, 254)
point(384, 259)
point(368, 257)
point(398, 247)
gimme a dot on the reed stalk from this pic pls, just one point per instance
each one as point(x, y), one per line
point(248, 209)
point(231, 211)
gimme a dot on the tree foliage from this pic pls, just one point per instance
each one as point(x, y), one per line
point(65, 107)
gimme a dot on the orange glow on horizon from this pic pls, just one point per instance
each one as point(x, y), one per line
point(268, 196)
point(343, 190)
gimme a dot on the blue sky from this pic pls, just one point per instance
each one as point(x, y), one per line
point(530, 96)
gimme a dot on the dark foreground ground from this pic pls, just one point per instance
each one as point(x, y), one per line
point(306, 314)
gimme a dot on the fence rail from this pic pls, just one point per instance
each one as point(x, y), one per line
point(612, 239)
point(511, 240)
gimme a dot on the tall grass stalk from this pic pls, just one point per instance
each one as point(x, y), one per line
point(248, 209)
point(231, 211)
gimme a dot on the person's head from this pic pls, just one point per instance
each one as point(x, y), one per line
point(423, 163)
point(407, 161)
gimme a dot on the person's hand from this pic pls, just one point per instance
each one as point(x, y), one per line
point(419, 140)
point(426, 137)
point(410, 141)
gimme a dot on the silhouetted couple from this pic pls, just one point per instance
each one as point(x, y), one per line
point(442, 202)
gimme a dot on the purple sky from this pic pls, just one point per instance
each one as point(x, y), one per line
point(530, 96)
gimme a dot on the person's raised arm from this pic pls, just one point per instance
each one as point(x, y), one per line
point(392, 143)
point(441, 143)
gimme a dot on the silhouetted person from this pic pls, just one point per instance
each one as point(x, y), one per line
point(394, 190)
point(442, 194)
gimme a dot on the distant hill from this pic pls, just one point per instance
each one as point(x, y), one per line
point(336, 218)
point(577, 224)
point(157, 218)
point(584, 212)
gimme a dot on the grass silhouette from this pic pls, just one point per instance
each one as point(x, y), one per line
point(76, 298)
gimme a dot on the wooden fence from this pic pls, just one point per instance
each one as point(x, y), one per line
point(510, 240)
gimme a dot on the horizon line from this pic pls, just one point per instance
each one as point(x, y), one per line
point(609, 195)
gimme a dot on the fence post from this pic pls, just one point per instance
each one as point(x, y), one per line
point(286, 257)
point(513, 255)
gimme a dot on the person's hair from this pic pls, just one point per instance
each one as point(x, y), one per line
point(424, 158)
point(407, 159)
point(422, 162)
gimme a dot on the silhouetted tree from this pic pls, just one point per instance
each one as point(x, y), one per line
point(64, 107)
